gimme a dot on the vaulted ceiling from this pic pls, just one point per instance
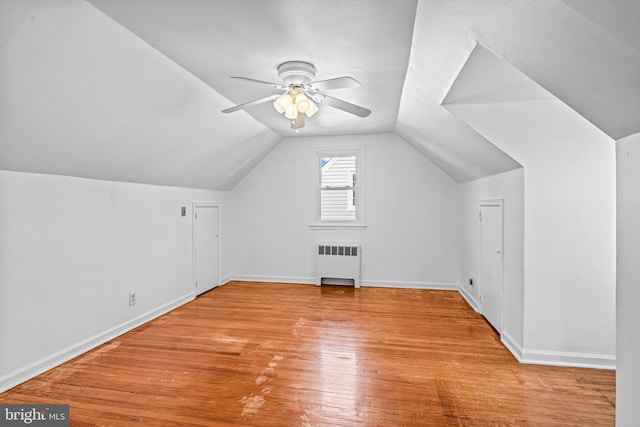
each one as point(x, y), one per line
point(132, 90)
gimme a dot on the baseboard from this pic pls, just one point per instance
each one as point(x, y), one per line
point(512, 345)
point(557, 358)
point(371, 283)
point(438, 286)
point(469, 298)
point(546, 357)
point(569, 359)
point(274, 279)
point(40, 366)
point(226, 279)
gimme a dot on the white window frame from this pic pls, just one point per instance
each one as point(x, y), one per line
point(338, 151)
point(352, 195)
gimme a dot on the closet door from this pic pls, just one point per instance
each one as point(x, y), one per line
point(206, 247)
point(491, 282)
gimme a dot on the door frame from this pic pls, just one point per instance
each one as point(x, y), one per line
point(500, 204)
point(194, 206)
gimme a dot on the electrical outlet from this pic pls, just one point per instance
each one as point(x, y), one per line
point(132, 298)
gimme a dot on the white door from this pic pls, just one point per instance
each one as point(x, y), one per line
point(206, 250)
point(491, 286)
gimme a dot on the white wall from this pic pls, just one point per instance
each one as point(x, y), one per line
point(509, 187)
point(72, 249)
point(628, 291)
point(411, 209)
point(570, 211)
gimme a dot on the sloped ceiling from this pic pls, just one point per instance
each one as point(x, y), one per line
point(369, 40)
point(132, 90)
point(487, 79)
point(82, 96)
point(587, 56)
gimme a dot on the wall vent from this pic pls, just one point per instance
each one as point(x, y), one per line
point(351, 250)
point(338, 261)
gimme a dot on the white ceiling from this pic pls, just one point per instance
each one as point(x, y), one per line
point(214, 40)
point(132, 90)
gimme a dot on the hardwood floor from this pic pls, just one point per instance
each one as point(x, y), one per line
point(298, 355)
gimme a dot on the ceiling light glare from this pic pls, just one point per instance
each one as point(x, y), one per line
point(303, 103)
point(283, 102)
point(313, 108)
point(291, 112)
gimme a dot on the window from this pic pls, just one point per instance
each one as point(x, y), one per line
point(337, 188)
point(338, 192)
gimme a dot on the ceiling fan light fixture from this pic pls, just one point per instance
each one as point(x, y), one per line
point(313, 108)
point(303, 103)
point(283, 102)
point(291, 112)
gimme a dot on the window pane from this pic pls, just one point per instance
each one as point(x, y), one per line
point(338, 171)
point(337, 205)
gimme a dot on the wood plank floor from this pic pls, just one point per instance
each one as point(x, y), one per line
point(298, 355)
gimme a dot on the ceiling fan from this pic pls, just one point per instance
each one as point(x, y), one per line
point(300, 93)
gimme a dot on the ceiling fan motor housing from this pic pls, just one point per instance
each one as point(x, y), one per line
point(296, 73)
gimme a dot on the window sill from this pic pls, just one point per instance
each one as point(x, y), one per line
point(337, 226)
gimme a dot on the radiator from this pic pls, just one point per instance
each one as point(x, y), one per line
point(338, 261)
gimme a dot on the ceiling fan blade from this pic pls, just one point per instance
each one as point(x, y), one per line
point(251, 103)
point(262, 82)
point(342, 105)
point(331, 84)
